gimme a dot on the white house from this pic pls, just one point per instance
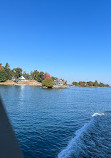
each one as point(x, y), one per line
point(21, 79)
point(58, 82)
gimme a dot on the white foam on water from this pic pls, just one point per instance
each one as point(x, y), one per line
point(74, 143)
point(78, 144)
point(97, 114)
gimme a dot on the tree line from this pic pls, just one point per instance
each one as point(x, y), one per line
point(6, 73)
point(90, 84)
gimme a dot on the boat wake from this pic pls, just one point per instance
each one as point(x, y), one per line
point(92, 140)
point(97, 114)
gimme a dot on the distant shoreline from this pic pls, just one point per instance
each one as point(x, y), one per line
point(39, 84)
point(90, 86)
point(28, 83)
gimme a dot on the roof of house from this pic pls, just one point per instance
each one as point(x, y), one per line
point(21, 78)
point(58, 80)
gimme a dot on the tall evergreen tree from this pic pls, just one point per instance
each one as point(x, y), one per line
point(8, 71)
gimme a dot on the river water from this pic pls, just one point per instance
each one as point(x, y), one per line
point(63, 123)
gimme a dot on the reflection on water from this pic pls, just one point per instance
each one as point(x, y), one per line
point(21, 94)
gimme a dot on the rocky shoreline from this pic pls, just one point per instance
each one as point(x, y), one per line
point(60, 87)
point(56, 87)
point(27, 83)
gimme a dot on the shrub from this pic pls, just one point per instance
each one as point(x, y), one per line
point(47, 82)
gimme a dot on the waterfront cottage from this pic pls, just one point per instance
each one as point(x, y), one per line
point(58, 83)
point(22, 79)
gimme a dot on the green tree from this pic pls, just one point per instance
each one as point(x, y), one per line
point(3, 75)
point(40, 76)
point(106, 85)
point(34, 75)
point(17, 72)
point(90, 83)
point(13, 73)
point(96, 83)
point(75, 83)
point(26, 75)
point(101, 84)
point(53, 78)
point(8, 71)
point(47, 82)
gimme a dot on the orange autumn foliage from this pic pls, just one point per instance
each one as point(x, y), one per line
point(46, 75)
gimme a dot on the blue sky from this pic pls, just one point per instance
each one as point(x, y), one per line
point(66, 38)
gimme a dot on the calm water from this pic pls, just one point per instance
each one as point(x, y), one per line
point(59, 123)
